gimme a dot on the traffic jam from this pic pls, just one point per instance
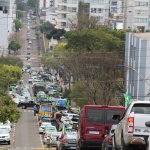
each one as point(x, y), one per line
point(93, 126)
point(68, 128)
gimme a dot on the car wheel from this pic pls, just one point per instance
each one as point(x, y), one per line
point(8, 142)
point(23, 107)
point(125, 147)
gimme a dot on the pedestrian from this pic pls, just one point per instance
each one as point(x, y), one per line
point(35, 110)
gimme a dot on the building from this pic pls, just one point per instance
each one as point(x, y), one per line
point(136, 15)
point(7, 14)
point(137, 64)
point(67, 14)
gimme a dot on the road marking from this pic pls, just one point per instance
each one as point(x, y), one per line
point(40, 135)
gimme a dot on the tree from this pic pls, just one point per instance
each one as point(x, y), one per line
point(14, 45)
point(19, 14)
point(92, 40)
point(33, 3)
point(18, 24)
point(47, 27)
point(20, 5)
point(11, 60)
point(56, 33)
point(8, 109)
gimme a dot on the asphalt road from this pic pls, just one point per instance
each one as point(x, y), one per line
point(25, 133)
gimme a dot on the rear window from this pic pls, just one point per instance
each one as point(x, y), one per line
point(141, 109)
point(46, 108)
point(95, 116)
point(110, 113)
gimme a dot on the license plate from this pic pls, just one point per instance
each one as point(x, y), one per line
point(94, 132)
point(71, 147)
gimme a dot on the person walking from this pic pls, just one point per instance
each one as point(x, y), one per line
point(35, 110)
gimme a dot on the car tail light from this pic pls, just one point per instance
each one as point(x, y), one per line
point(110, 141)
point(64, 141)
point(130, 124)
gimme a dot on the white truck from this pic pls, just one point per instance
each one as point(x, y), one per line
point(131, 132)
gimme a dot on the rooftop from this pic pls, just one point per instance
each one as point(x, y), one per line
point(144, 36)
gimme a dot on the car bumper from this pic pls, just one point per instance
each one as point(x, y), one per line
point(4, 139)
point(68, 147)
point(136, 140)
point(90, 143)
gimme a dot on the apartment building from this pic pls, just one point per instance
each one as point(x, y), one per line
point(137, 62)
point(136, 15)
point(67, 14)
point(7, 14)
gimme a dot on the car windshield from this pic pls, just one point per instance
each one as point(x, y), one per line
point(51, 128)
point(46, 108)
point(141, 108)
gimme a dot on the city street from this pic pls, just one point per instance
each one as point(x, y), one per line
point(25, 133)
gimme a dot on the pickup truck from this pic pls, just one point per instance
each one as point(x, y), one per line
point(27, 104)
point(131, 131)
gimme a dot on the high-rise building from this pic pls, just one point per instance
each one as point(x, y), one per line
point(7, 14)
point(136, 14)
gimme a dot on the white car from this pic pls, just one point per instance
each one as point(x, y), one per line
point(30, 42)
point(16, 100)
point(4, 135)
point(28, 47)
point(66, 121)
point(51, 138)
point(42, 127)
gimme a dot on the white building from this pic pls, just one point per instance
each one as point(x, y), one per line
point(137, 64)
point(100, 10)
point(7, 14)
point(66, 14)
point(136, 14)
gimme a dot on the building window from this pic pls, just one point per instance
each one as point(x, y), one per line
point(140, 20)
point(139, 3)
point(96, 10)
point(141, 12)
point(101, 2)
point(1, 8)
point(72, 1)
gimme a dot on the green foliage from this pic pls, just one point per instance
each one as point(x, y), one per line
point(14, 45)
point(56, 34)
point(8, 109)
point(11, 60)
point(95, 40)
point(33, 3)
point(19, 14)
point(20, 5)
point(47, 27)
point(18, 24)
point(78, 95)
point(9, 75)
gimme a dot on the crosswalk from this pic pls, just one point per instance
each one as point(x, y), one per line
point(28, 111)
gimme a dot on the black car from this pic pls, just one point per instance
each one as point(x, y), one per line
point(67, 142)
point(107, 143)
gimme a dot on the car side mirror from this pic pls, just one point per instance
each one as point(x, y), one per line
point(116, 117)
point(147, 124)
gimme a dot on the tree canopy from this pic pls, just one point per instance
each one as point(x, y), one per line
point(14, 45)
point(19, 14)
point(20, 5)
point(46, 27)
point(18, 24)
point(92, 40)
point(11, 60)
point(8, 109)
point(33, 3)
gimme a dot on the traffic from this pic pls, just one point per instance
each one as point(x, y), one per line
point(65, 127)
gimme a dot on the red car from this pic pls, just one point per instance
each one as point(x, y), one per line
point(95, 123)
